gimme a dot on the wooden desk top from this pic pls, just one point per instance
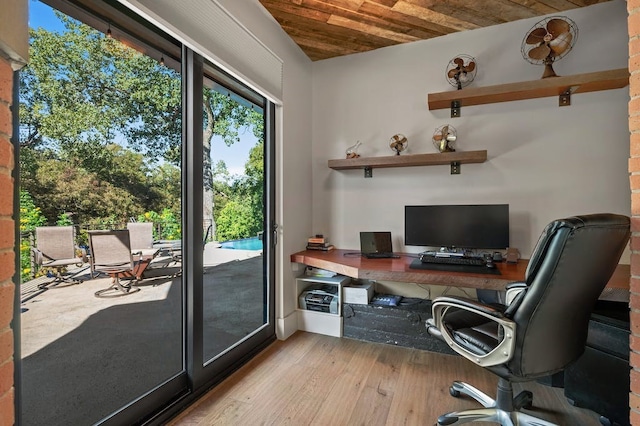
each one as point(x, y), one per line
point(351, 264)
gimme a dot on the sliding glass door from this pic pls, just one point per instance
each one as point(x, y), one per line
point(157, 134)
point(233, 295)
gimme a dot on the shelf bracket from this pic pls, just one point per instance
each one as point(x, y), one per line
point(455, 109)
point(368, 172)
point(565, 97)
point(455, 167)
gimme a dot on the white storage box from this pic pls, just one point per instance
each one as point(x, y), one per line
point(359, 294)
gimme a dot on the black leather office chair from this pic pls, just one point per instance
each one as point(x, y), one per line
point(544, 325)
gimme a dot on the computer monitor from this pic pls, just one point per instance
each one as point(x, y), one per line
point(473, 227)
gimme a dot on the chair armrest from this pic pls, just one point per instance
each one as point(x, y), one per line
point(38, 257)
point(502, 353)
point(513, 290)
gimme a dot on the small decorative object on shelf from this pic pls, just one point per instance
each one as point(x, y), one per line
point(352, 151)
point(444, 138)
point(461, 71)
point(398, 143)
point(549, 40)
point(319, 242)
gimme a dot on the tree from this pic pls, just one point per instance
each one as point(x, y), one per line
point(239, 200)
point(83, 91)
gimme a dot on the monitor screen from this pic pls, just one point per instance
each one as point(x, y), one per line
point(463, 226)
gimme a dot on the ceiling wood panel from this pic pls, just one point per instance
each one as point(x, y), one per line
point(328, 28)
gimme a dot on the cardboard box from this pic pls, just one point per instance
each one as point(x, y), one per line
point(358, 294)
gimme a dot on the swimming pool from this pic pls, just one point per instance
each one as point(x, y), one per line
point(253, 243)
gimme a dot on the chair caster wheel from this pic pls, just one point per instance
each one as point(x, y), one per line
point(605, 421)
point(453, 392)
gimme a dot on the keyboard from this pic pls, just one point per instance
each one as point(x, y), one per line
point(454, 260)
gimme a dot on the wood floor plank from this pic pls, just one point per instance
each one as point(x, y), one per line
point(311, 379)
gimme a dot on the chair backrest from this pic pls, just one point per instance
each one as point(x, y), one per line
point(56, 242)
point(569, 268)
point(110, 250)
point(141, 235)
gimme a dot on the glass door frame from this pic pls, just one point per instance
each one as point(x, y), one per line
point(196, 376)
point(203, 374)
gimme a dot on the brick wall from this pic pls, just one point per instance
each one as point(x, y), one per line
point(633, 6)
point(7, 243)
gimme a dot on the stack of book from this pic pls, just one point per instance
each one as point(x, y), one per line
point(319, 242)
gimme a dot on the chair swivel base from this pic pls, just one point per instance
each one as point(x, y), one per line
point(117, 289)
point(60, 279)
point(504, 411)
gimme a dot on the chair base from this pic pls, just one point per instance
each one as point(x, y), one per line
point(60, 279)
point(117, 289)
point(504, 410)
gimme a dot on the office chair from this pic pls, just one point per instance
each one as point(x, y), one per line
point(543, 327)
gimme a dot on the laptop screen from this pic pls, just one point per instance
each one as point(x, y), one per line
point(375, 242)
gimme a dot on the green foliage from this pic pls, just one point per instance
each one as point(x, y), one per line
point(167, 225)
point(100, 135)
point(30, 215)
point(239, 199)
point(234, 221)
point(30, 218)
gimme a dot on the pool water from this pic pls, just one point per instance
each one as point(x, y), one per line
point(253, 243)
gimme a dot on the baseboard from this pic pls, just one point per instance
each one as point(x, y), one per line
point(285, 327)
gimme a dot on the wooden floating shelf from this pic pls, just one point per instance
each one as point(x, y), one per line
point(410, 160)
point(552, 86)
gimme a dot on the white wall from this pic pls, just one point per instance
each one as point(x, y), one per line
point(547, 162)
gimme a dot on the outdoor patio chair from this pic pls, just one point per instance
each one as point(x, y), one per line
point(55, 248)
point(141, 237)
point(111, 254)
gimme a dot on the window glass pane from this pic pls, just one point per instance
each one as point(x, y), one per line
point(100, 135)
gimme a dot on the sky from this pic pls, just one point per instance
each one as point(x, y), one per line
point(234, 156)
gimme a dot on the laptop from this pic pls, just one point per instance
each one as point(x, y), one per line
point(376, 245)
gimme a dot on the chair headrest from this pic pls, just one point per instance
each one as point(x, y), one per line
point(598, 220)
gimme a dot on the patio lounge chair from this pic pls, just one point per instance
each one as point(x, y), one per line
point(162, 254)
point(141, 237)
point(111, 253)
point(55, 248)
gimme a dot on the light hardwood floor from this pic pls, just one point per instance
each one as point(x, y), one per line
point(311, 379)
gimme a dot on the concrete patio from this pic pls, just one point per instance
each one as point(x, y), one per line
point(84, 357)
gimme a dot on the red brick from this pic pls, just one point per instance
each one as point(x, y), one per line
point(635, 418)
point(633, 23)
point(634, 138)
point(6, 196)
point(7, 410)
point(6, 375)
point(634, 46)
point(5, 120)
point(634, 284)
point(635, 203)
point(6, 153)
point(6, 304)
point(7, 233)
point(631, 5)
point(634, 401)
point(6, 345)
point(6, 81)
point(634, 380)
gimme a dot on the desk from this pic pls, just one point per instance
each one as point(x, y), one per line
point(345, 262)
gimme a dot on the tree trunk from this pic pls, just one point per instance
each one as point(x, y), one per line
point(207, 174)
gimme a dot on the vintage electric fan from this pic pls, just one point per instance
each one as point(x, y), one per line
point(444, 137)
point(548, 41)
point(461, 71)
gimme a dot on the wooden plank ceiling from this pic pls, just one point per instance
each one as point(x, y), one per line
point(328, 28)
